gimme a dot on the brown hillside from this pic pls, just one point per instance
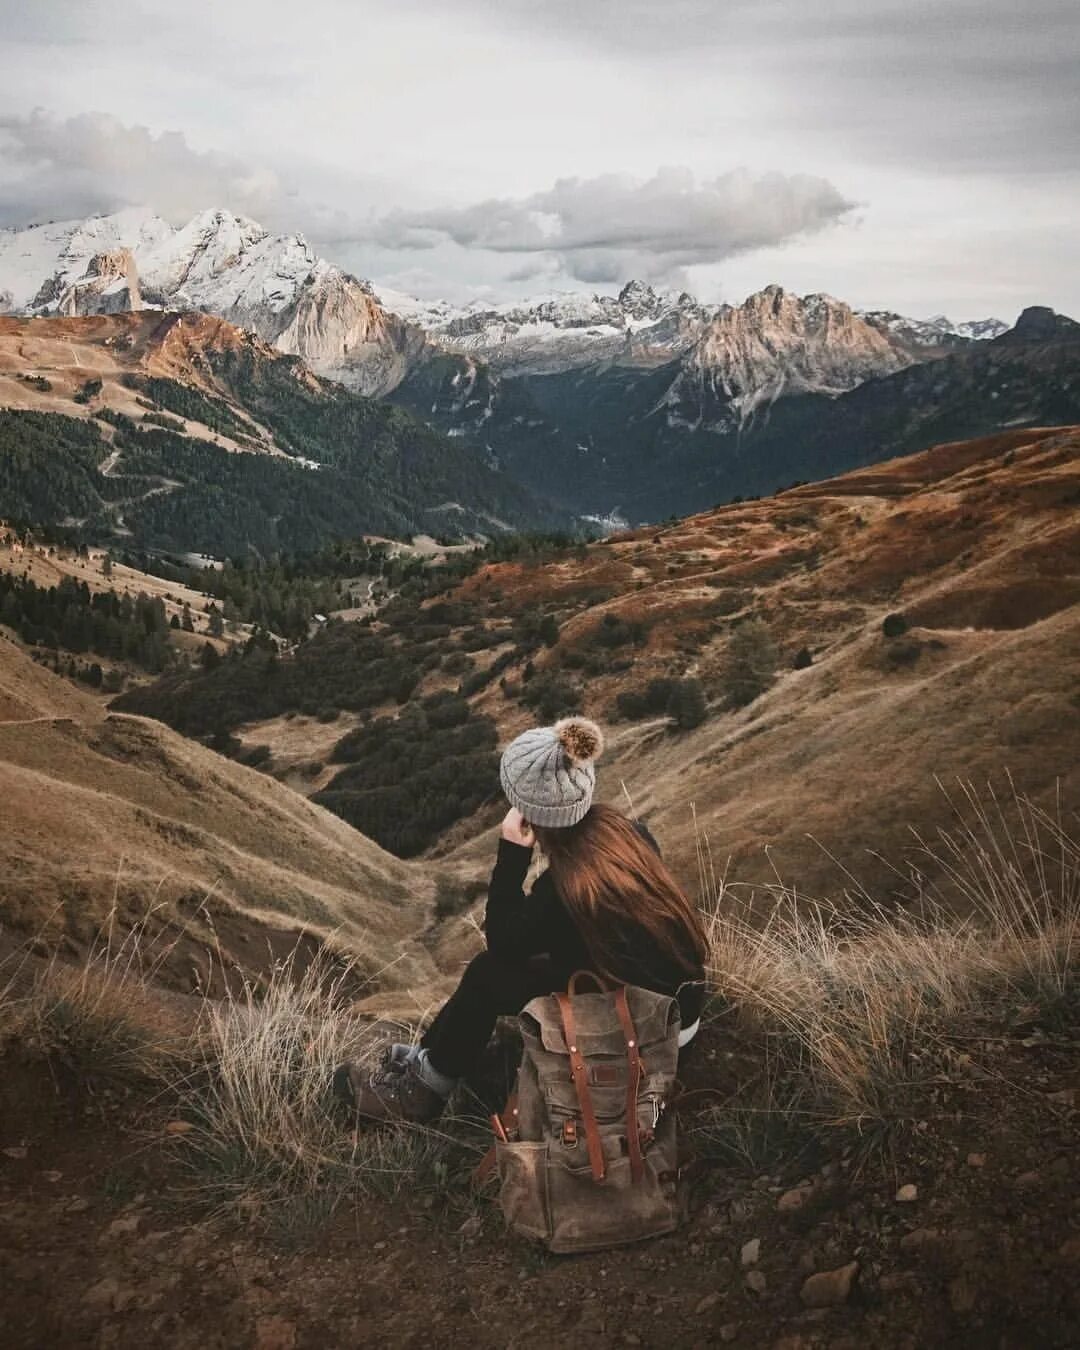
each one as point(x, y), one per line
point(67, 352)
point(976, 544)
point(28, 691)
point(123, 812)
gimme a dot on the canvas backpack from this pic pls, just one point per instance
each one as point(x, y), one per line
point(586, 1150)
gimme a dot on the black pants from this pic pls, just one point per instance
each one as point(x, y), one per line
point(489, 989)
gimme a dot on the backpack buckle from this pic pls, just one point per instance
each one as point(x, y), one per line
point(569, 1134)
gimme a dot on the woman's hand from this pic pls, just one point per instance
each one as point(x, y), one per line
point(517, 829)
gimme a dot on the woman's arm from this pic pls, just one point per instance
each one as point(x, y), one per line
point(515, 924)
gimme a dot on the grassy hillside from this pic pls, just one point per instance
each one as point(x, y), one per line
point(115, 823)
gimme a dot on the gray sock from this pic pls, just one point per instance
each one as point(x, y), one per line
point(430, 1075)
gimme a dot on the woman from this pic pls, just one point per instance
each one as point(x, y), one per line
point(606, 903)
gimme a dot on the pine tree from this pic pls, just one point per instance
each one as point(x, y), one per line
point(751, 662)
point(686, 706)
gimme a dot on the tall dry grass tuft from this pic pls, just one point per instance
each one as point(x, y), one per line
point(267, 1136)
point(105, 1018)
point(857, 1006)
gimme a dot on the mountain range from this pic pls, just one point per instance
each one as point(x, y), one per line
point(631, 407)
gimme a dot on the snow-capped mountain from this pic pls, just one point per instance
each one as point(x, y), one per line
point(220, 263)
point(938, 331)
point(640, 326)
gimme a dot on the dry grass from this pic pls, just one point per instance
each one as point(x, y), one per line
point(268, 1138)
point(105, 1019)
point(846, 1019)
point(856, 1012)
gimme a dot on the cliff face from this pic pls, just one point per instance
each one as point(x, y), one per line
point(110, 285)
point(777, 344)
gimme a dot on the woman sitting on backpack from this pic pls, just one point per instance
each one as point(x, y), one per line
point(606, 903)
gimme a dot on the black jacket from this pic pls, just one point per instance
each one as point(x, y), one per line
point(520, 926)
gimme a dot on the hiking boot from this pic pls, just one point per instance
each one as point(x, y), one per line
point(394, 1091)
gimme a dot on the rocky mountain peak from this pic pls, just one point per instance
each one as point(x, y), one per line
point(639, 299)
point(774, 344)
point(1040, 323)
point(110, 285)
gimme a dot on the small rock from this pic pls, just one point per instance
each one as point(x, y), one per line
point(16, 1151)
point(707, 1303)
point(1026, 1180)
point(77, 1206)
point(1070, 1250)
point(127, 1226)
point(751, 1251)
point(728, 1332)
point(793, 1199)
point(471, 1227)
point(53, 1176)
point(179, 1127)
point(630, 1339)
point(378, 1246)
point(920, 1239)
point(976, 1159)
point(275, 1333)
point(906, 1194)
point(829, 1287)
point(756, 1282)
point(1066, 1097)
point(109, 1294)
point(101, 1295)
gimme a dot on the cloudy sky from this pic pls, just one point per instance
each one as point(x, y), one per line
point(921, 155)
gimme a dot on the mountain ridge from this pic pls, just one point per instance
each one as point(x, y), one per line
point(349, 329)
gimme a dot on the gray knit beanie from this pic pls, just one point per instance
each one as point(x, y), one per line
point(548, 774)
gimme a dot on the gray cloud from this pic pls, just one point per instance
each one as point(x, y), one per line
point(606, 228)
point(52, 167)
point(972, 85)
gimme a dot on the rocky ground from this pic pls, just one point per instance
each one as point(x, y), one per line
point(963, 1230)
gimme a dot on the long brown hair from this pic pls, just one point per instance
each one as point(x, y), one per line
point(609, 877)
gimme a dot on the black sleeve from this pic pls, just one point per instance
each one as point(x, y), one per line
point(516, 925)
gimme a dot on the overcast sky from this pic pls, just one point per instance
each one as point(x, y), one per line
point(919, 155)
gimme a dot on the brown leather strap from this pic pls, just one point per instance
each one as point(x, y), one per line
point(633, 1082)
point(602, 985)
point(506, 1121)
point(581, 1083)
point(502, 1122)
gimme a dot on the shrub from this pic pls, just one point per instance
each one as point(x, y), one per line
point(751, 663)
point(803, 659)
point(650, 701)
point(551, 696)
point(686, 704)
point(894, 625)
